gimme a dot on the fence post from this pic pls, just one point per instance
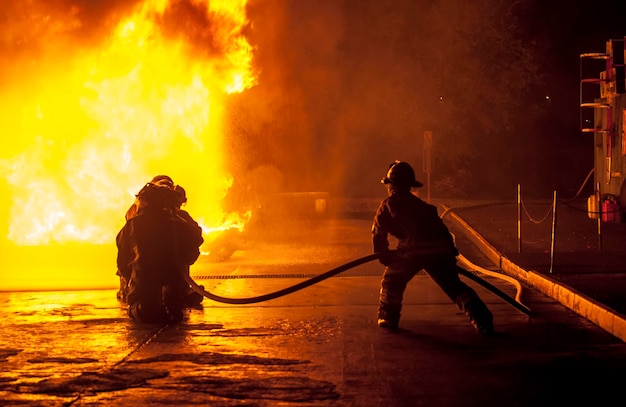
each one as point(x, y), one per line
point(553, 239)
point(599, 220)
point(427, 152)
point(519, 218)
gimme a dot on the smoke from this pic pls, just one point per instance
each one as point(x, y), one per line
point(28, 27)
point(37, 31)
point(339, 95)
point(345, 87)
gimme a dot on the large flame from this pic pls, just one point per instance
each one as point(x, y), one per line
point(86, 126)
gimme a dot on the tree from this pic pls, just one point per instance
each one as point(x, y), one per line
point(347, 86)
point(485, 74)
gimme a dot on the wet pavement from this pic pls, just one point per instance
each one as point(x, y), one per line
point(317, 347)
point(579, 261)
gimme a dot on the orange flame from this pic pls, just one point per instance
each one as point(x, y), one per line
point(86, 127)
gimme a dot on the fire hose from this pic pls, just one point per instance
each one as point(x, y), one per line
point(284, 291)
point(314, 280)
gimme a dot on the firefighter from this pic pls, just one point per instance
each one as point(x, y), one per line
point(192, 299)
point(153, 247)
point(423, 242)
point(158, 180)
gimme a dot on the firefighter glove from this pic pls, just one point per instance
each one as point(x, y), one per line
point(387, 257)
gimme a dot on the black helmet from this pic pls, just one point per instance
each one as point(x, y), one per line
point(160, 193)
point(163, 181)
point(401, 174)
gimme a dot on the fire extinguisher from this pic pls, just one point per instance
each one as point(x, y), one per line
point(611, 210)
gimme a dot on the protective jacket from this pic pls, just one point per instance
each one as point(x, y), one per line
point(154, 247)
point(414, 223)
point(154, 242)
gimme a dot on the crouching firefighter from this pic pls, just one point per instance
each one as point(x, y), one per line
point(423, 243)
point(155, 247)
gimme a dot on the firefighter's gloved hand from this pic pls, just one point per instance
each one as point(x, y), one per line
point(387, 257)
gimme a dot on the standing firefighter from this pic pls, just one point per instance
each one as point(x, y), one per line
point(424, 242)
point(155, 248)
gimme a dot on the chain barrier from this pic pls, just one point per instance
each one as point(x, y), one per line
point(521, 206)
point(530, 217)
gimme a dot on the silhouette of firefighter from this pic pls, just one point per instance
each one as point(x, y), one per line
point(156, 246)
point(423, 243)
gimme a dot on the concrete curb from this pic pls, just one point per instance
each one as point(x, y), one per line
point(601, 315)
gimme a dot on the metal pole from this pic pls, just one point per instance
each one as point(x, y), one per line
point(553, 240)
point(519, 218)
point(428, 183)
point(427, 149)
point(599, 219)
point(600, 233)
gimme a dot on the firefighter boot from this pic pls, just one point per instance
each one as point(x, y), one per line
point(390, 298)
point(193, 299)
point(479, 316)
point(388, 324)
point(389, 311)
point(173, 304)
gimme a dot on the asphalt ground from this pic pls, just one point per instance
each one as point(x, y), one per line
point(317, 347)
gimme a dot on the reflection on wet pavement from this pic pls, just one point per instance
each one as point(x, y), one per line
point(317, 347)
point(62, 347)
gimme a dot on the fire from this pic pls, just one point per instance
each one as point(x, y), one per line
point(87, 125)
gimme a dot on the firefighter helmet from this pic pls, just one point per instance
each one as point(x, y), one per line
point(401, 174)
point(163, 181)
point(159, 192)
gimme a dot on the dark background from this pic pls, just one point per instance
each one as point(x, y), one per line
point(347, 86)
